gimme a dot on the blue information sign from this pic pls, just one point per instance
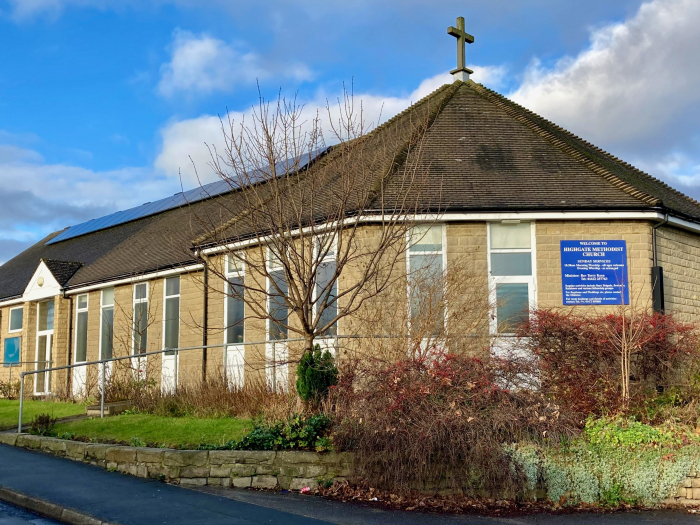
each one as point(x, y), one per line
point(11, 351)
point(594, 272)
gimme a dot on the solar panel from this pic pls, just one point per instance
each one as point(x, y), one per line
point(177, 200)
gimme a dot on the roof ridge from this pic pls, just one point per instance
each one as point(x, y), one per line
point(570, 150)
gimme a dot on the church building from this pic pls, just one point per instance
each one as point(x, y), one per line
point(548, 219)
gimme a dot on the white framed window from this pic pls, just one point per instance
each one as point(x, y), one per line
point(16, 319)
point(512, 274)
point(81, 328)
point(426, 262)
point(171, 314)
point(107, 323)
point(326, 288)
point(140, 320)
point(234, 304)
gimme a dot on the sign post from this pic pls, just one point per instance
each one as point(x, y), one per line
point(594, 272)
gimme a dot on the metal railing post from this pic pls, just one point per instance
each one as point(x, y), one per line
point(21, 401)
point(102, 394)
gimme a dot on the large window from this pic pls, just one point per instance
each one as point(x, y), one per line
point(171, 329)
point(326, 292)
point(81, 328)
point(276, 303)
point(140, 318)
point(44, 346)
point(426, 267)
point(511, 274)
point(16, 318)
point(235, 305)
point(107, 323)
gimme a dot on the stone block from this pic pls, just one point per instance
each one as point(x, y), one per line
point(295, 458)
point(220, 472)
point(111, 465)
point(681, 492)
point(293, 471)
point(264, 482)
point(238, 470)
point(696, 494)
point(75, 450)
point(193, 482)
point(225, 482)
point(149, 455)
point(300, 483)
point(314, 471)
point(284, 482)
point(266, 470)
point(194, 472)
point(28, 441)
point(695, 482)
point(168, 473)
point(185, 458)
point(121, 454)
point(687, 483)
point(241, 483)
point(96, 451)
point(214, 481)
point(9, 439)
point(252, 456)
point(53, 445)
point(128, 468)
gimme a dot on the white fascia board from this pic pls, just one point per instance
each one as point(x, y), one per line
point(135, 279)
point(11, 302)
point(492, 216)
point(682, 223)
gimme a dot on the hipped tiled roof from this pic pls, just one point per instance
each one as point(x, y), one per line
point(481, 151)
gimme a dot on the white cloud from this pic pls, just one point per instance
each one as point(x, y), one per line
point(634, 79)
point(183, 142)
point(203, 64)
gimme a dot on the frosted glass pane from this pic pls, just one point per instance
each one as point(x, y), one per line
point(82, 301)
point(107, 333)
point(512, 306)
point(426, 239)
point(172, 286)
point(234, 264)
point(172, 322)
point(81, 337)
point(16, 317)
point(140, 327)
point(107, 296)
point(510, 235)
point(511, 263)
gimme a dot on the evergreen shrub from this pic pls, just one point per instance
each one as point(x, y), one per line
point(316, 374)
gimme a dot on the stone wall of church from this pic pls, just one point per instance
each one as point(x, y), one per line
point(678, 253)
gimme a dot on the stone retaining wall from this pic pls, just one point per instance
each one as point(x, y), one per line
point(237, 468)
point(688, 494)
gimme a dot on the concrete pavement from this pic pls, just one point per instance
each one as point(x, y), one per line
point(11, 515)
point(128, 500)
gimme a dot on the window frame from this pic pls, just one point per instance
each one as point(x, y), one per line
point(79, 310)
point(165, 310)
point(328, 258)
point(237, 273)
point(494, 280)
point(442, 252)
point(104, 306)
point(136, 301)
point(9, 323)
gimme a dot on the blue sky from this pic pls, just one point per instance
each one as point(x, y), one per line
point(103, 101)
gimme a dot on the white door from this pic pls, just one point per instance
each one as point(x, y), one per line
point(168, 375)
point(44, 343)
point(79, 380)
point(277, 370)
point(235, 366)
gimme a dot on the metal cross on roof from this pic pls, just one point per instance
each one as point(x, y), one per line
point(462, 37)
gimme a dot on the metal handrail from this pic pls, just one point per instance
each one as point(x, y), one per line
point(15, 364)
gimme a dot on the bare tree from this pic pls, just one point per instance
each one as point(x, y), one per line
point(320, 230)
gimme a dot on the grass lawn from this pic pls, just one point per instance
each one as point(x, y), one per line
point(178, 432)
point(9, 410)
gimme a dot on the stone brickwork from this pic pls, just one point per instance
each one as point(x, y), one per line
point(688, 495)
point(679, 254)
point(237, 468)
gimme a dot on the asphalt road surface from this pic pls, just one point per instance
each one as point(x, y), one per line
point(129, 500)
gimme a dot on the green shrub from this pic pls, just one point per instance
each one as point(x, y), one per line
point(295, 433)
point(42, 425)
point(316, 374)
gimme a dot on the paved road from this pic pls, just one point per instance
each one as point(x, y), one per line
point(10, 515)
point(135, 501)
